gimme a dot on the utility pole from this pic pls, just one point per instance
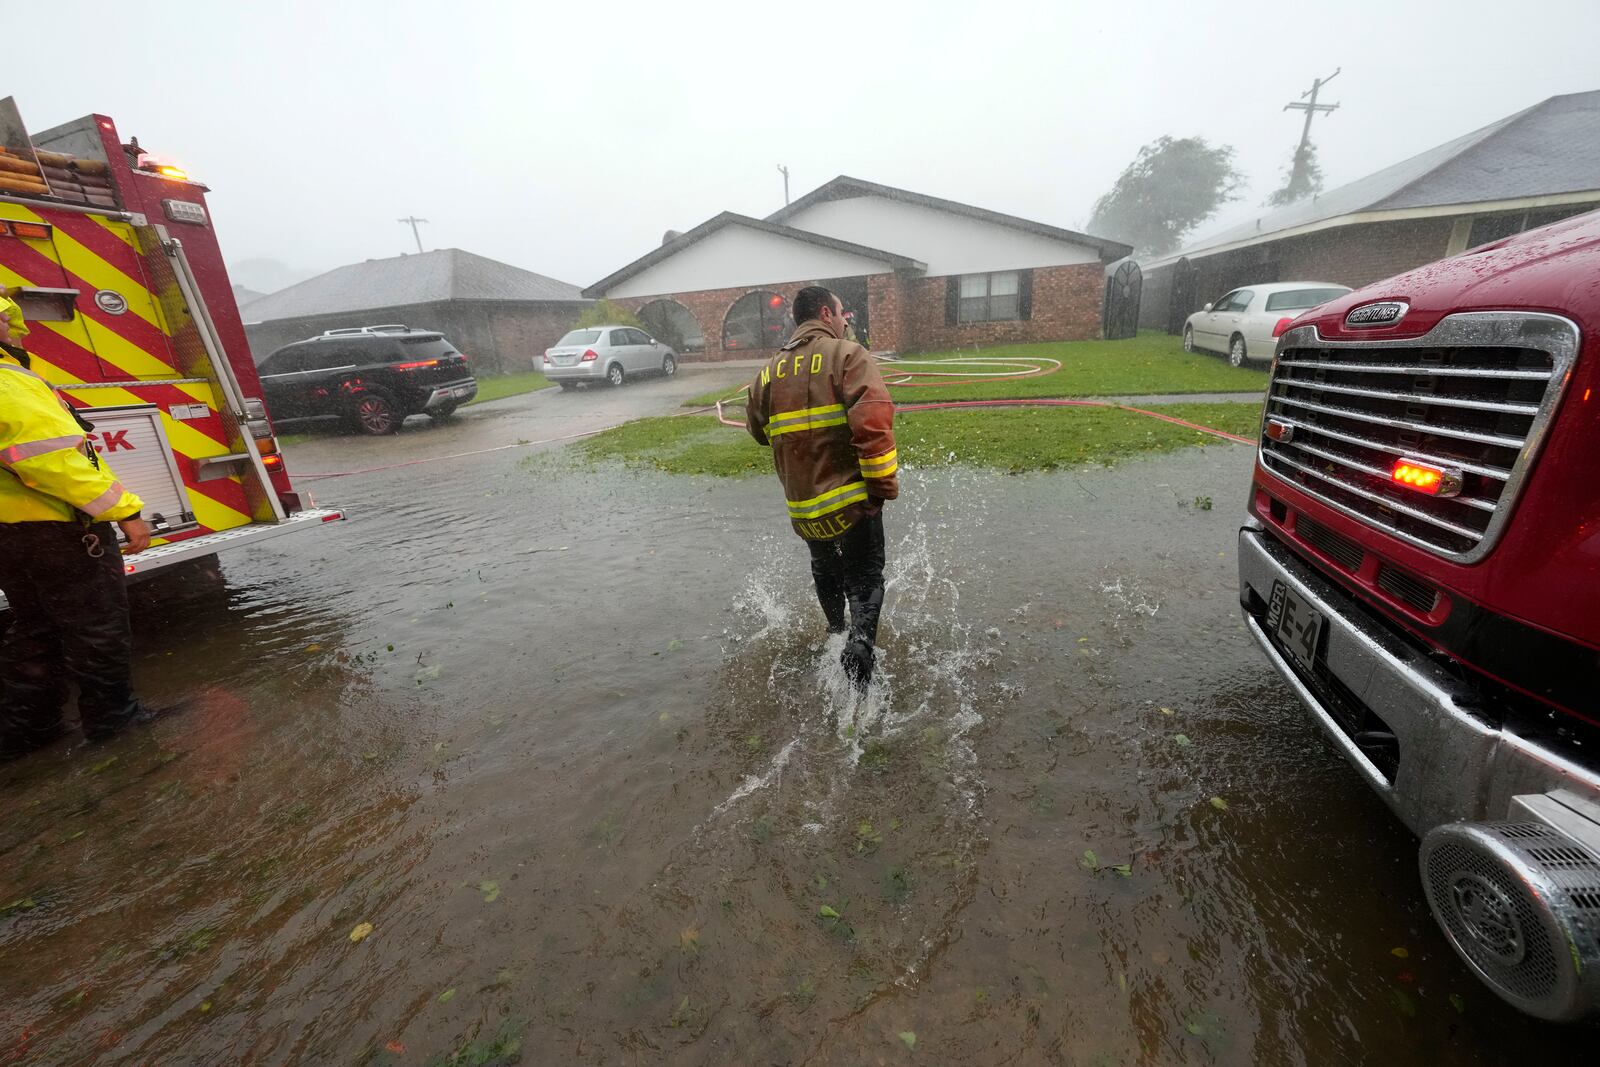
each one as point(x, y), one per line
point(412, 220)
point(1310, 107)
point(783, 170)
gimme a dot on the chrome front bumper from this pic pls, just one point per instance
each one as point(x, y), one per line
point(1454, 763)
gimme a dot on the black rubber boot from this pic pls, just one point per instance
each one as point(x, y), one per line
point(858, 659)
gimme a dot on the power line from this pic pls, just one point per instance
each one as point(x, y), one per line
point(1310, 107)
point(413, 220)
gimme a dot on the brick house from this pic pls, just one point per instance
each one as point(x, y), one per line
point(1526, 170)
point(915, 272)
point(501, 316)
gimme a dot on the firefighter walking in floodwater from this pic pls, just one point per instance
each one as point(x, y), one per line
point(822, 406)
point(59, 564)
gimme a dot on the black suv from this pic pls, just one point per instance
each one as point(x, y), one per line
point(372, 377)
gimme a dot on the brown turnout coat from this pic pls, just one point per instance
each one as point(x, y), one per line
point(822, 406)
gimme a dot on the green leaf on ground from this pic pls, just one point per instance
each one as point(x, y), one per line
point(1089, 862)
point(490, 891)
point(826, 912)
point(1219, 803)
point(448, 995)
point(1182, 740)
point(910, 1038)
point(1124, 869)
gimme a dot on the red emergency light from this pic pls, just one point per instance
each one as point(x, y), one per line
point(1426, 477)
point(776, 301)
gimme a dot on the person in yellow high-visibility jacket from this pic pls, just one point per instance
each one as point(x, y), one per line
point(59, 564)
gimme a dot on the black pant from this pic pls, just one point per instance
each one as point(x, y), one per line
point(69, 622)
point(849, 569)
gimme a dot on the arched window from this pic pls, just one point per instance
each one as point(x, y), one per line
point(757, 320)
point(672, 324)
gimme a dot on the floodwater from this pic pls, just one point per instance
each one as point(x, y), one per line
point(571, 746)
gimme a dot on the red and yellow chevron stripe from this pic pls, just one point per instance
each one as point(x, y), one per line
point(134, 349)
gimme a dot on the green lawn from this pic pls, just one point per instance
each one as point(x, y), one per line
point(505, 385)
point(1150, 363)
point(1021, 439)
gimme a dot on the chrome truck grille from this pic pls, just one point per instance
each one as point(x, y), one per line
point(1475, 394)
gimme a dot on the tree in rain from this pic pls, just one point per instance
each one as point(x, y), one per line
point(1305, 177)
point(606, 313)
point(1172, 187)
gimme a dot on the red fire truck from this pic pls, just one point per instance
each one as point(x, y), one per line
point(1422, 565)
point(131, 316)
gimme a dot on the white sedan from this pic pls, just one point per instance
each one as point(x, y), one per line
point(1245, 323)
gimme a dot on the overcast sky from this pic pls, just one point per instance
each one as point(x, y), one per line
point(566, 138)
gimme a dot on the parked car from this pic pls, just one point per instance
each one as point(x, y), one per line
point(607, 354)
point(1245, 324)
point(371, 377)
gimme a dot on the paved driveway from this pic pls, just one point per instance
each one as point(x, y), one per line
point(545, 415)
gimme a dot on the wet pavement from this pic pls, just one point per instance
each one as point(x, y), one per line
point(530, 760)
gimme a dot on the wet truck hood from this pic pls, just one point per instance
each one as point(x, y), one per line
point(1555, 268)
point(1552, 545)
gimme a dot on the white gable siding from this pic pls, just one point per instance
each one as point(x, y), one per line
point(947, 243)
point(737, 257)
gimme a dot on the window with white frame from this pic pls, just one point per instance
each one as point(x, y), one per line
point(990, 297)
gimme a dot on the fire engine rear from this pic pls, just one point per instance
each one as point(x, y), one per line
point(1422, 565)
point(131, 317)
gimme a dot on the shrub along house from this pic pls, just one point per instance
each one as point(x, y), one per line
point(915, 272)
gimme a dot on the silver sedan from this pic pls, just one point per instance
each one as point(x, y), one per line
point(611, 354)
point(1245, 324)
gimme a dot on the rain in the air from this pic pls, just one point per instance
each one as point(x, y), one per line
point(1056, 534)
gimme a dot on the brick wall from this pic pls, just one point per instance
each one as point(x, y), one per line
point(1360, 255)
point(709, 308)
point(907, 314)
point(520, 335)
point(1066, 307)
point(886, 311)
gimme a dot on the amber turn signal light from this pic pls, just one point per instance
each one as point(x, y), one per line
point(1426, 477)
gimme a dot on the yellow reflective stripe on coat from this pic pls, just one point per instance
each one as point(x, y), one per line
point(881, 466)
point(828, 502)
point(806, 419)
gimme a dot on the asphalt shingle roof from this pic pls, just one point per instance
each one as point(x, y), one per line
point(1551, 147)
point(447, 274)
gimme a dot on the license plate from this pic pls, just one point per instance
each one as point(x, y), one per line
point(463, 391)
point(1296, 625)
